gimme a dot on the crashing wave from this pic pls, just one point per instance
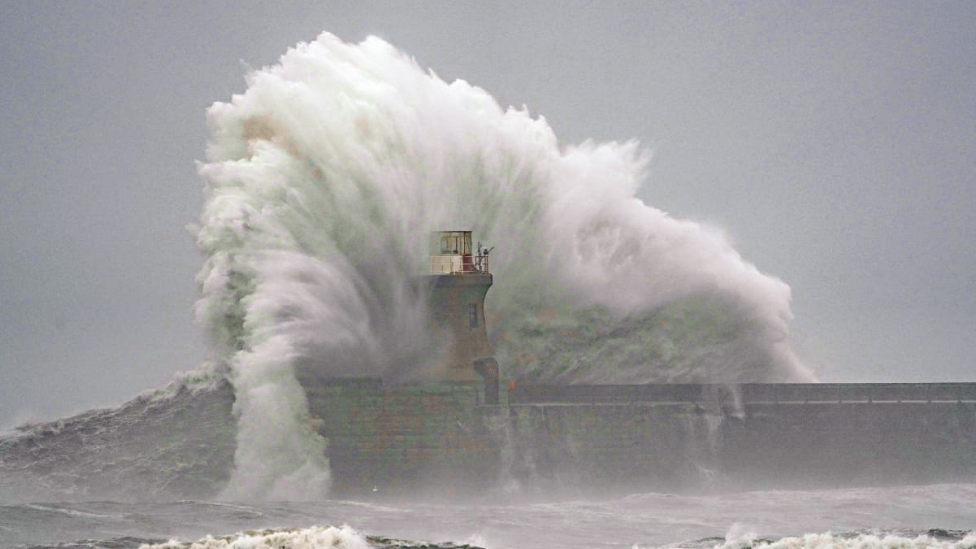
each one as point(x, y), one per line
point(323, 180)
point(933, 539)
point(315, 537)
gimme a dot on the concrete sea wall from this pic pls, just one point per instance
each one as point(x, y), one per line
point(443, 439)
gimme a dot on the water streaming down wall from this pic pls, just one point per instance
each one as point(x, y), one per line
point(573, 450)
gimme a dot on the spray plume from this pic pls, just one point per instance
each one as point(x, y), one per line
point(325, 177)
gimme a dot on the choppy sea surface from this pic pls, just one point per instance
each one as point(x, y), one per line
point(906, 517)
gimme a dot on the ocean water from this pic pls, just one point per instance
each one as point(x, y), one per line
point(905, 517)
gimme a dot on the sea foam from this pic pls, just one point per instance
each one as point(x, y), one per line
point(315, 537)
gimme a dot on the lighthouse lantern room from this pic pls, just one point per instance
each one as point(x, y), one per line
point(451, 253)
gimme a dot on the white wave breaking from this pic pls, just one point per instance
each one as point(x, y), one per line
point(325, 537)
point(322, 182)
point(828, 540)
point(315, 537)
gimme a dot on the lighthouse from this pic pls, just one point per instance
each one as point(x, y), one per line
point(458, 281)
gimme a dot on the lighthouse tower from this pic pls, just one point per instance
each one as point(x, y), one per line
point(458, 281)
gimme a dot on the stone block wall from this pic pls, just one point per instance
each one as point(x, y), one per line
point(750, 437)
point(416, 439)
point(592, 448)
point(441, 439)
point(851, 443)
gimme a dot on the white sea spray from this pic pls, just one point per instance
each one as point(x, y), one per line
point(322, 182)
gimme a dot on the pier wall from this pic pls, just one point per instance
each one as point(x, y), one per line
point(630, 437)
point(402, 439)
point(751, 435)
point(682, 446)
point(850, 443)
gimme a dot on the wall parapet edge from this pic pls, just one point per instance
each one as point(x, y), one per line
point(746, 393)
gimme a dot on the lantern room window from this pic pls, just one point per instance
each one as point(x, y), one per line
point(451, 252)
point(453, 243)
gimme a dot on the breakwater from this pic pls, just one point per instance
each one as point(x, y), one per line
point(444, 438)
point(751, 435)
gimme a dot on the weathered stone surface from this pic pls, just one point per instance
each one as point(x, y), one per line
point(402, 439)
point(441, 439)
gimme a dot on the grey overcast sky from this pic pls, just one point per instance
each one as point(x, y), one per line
point(834, 141)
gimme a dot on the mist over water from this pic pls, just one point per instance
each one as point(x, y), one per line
point(323, 180)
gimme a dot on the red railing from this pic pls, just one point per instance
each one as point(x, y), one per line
point(459, 264)
point(479, 264)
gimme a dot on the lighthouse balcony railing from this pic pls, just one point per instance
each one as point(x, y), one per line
point(458, 264)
